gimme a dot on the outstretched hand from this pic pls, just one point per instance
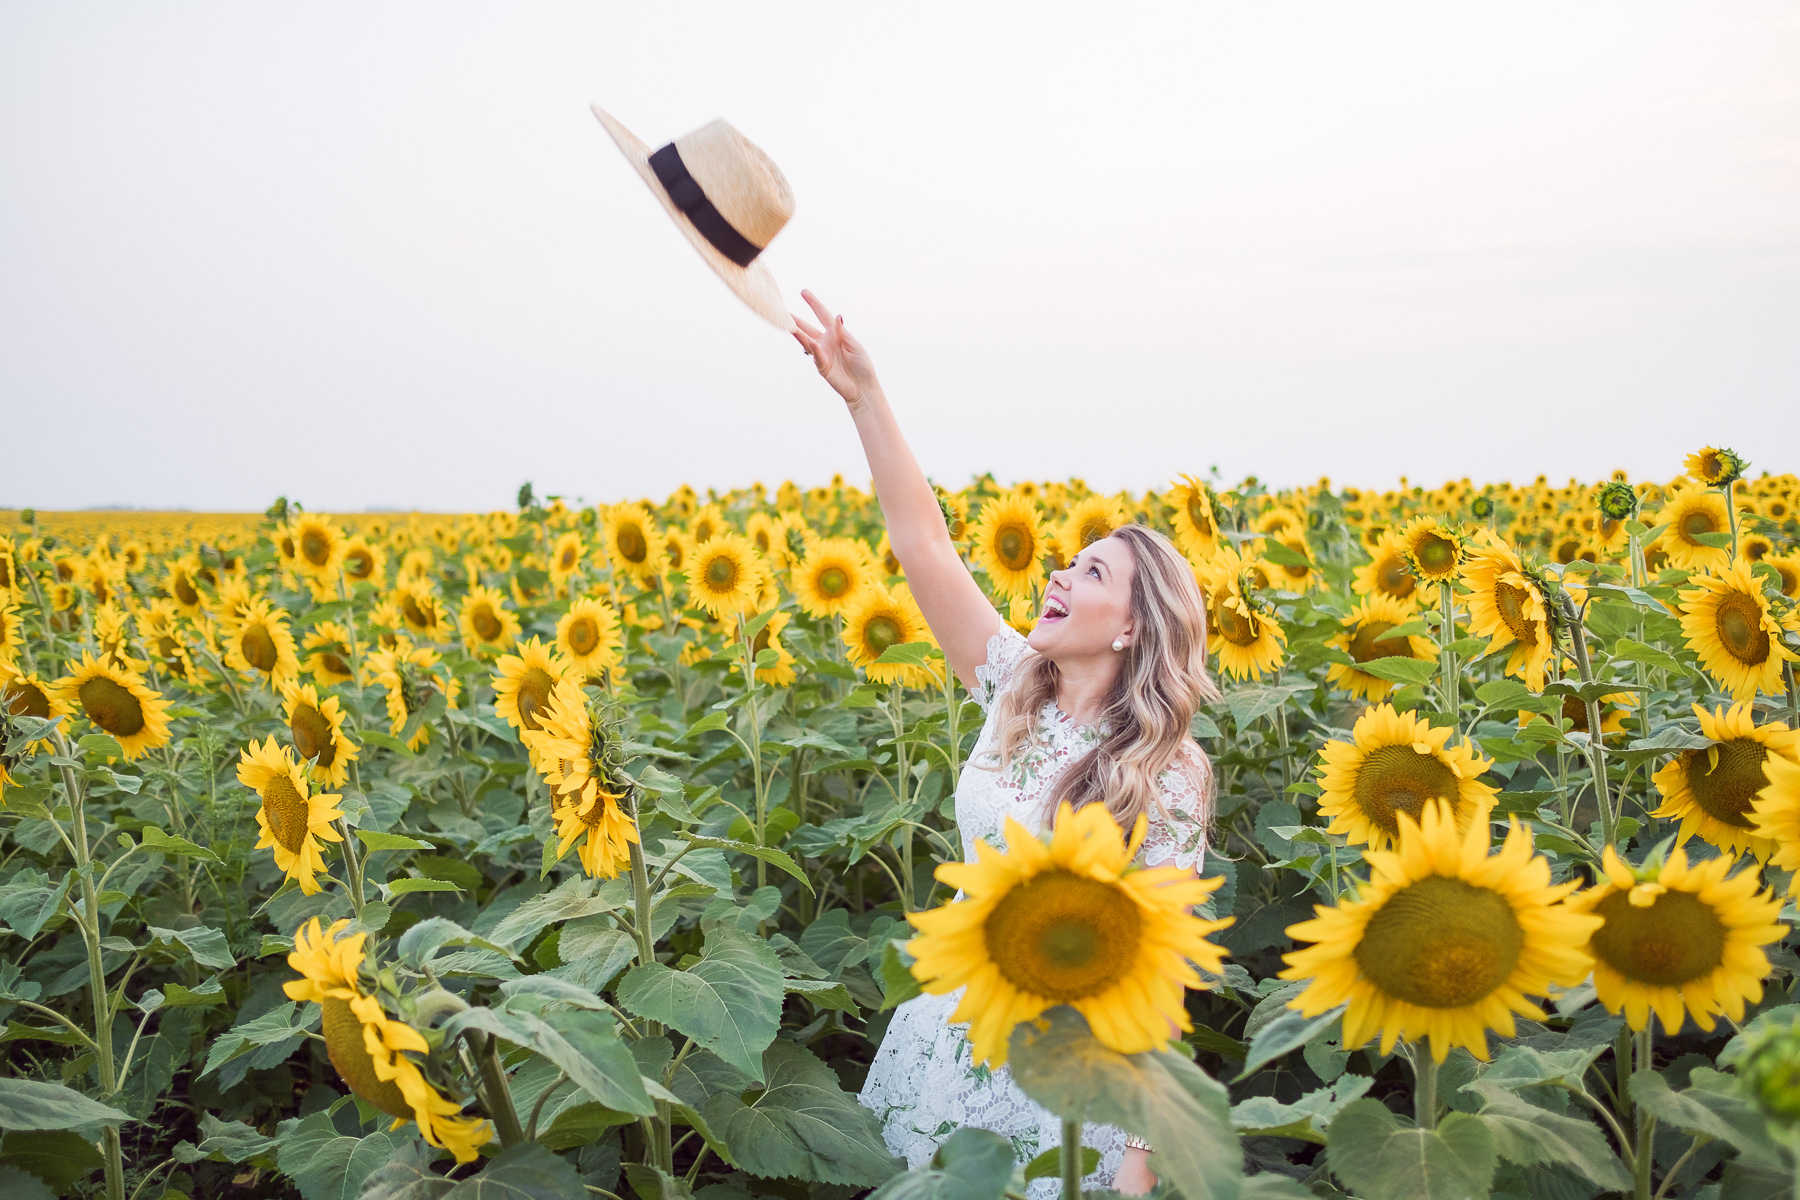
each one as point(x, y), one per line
point(840, 358)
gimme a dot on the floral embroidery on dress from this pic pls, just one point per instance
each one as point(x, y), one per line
point(923, 1085)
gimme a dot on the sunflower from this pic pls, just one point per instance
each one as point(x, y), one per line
point(1280, 521)
point(1678, 938)
point(292, 820)
point(1728, 623)
point(9, 573)
point(1250, 642)
point(26, 695)
point(1396, 764)
point(487, 625)
point(1386, 573)
point(117, 702)
point(1090, 519)
point(258, 643)
point(581, 761)
point(328, 653)
point(1444, 942)
point(1613, 709)
point(1507, 607)
point(1022, 614)
point(1067, 923)
point(880, 619)
point(1776, 814)
point(1715, 467)
point(588, 637)
point(1688, 513)
point(707, 524)
point(12, 630)
point(726, 575)
point(1009, 545)
point(1301, 578)
point(565, 559)
point(887, 559)
point(1196, 528)
point(524, 682)
point(769, 638)
point(1362, 640)
point(633, 542)
point(368, 1048)
point(1713, 791)
point(1433, 549)
point(420, 610)
point(364, 562)
point(317, 727)
point(318, 547)
point(832, 575)
point(406, 674)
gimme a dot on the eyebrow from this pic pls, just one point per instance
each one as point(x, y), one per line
point(1094, 560)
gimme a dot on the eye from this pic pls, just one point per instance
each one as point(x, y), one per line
point(1093, 570)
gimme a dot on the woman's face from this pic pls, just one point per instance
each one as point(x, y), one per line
point(1087, 604)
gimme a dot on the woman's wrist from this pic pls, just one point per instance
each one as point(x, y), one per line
point(857, 403)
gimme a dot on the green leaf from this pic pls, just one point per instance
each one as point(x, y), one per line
point(433, 709)
point(224, 1141)
point(1374, 1154)
point(707, 724)
point(824, 993)
point(1285, 1032)
point(18, 1184)
point(391, 841)
point(1718, 541)
point(401, 887)
point(1203, 726)
point(1048, 1165)
point(909, 654)
point(1283, 555)
point(100, 745)
point(898, 985)
point(1161, 1096)
point(768, 854)
point(578, 897)
point(1411, 671)
point(1253, 700)
point(1523, 1067)
point(27, 901)
point(1721, 1114)
point(176, 847)
point(386, 741)
point(1669, 740)
point(60, 1158)
point(1628, 651)
point(729, 1002)
point(207, 946)
point(324, 1164)
point(1306, 1119)
point(972, 1164)
point(1528, 1135)
point(1505, 693)
point(209, 993)
point(274, 1027)
point(803, 1125)
point(419, 944)
point(34, 1104)
point(584, 1045)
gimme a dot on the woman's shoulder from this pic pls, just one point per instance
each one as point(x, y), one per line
point(1005, 650)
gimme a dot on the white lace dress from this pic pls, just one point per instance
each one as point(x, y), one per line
point(923, 1084)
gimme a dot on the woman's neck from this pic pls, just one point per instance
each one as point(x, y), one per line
point(1082, 688)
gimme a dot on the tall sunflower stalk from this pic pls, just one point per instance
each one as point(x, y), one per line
point(1571, 619)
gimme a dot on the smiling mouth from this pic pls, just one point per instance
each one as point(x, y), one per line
point(1054, 609)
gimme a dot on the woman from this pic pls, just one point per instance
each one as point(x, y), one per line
point(1093, 708)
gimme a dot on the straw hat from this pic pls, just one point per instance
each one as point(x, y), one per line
point(727, 196)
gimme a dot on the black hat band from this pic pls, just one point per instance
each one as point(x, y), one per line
point(687, 196)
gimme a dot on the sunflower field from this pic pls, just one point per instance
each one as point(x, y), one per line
point(567, 852)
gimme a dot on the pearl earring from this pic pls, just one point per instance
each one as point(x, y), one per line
point(1118, 643)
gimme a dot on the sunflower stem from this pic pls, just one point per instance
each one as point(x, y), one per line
point(497, 1093)
point(1596, 743)
point(1727, 488)
point(1638, 580)
point(748, 654)
point(1425, 1081)
point(640, 890)
point(896, 710)
point(352, 867)
point(1071, 1160)
point(1646, 1124)
point(1447, 661)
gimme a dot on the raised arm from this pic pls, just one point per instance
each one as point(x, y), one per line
point(960, 617)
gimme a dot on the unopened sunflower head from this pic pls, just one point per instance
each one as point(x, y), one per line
point(1716, 466)
point(1618, 501)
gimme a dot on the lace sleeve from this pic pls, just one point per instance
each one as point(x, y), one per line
point(1180, 838)
point(1004, 650)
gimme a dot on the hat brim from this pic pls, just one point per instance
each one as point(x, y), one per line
point(754, 284)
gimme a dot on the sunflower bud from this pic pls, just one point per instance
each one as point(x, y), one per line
point(1481, 507)
point(1716, 466)
point(1770, 1071)
point(1618, 501)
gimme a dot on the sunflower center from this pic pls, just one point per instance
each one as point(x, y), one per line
point(315, 547)
point(258, 648)
point(1238, 629)
point(112, 707)
point(834, 582)
point(633, 546)
point(1394, 579)
point(1364, 647)
point(348, 1052)
point(1675, 940)
point(1012, 546)
point(359, 564)
point(880, 633)
point(1063, 937)
point(1739, 624)
point(184, 589)
point(334, 662)
point(1436, 554)
point(487, 625)
point(1198, 516)
point(1441, 943)
point(1698, 522)
point(1398, 779)
point(286, 811)
point(1574, 710)
point(534, 692)
point(1725, 788)
point(312, 735)
point(413, 612)
point(584, 635)
point(1510, 602)
point(1093, 530)
point(566, 560)
point(721, 574)
point(25, 700)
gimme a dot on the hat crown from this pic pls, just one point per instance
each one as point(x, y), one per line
point(742, 182)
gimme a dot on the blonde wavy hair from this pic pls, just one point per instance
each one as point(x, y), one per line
point(1162, 682)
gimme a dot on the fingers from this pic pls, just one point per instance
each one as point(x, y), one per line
point(815, 334)
point(824, 314)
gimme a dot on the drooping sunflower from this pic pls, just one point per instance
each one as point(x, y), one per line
point(1507, 607)
point(1009, 545)
point(328, 653)
point(1713, 791)
point(726, 575)
point(258, 643)
point(422, 611)
point(1689, 513)
point(1196, 528)
point(1445, 942)
point(1386, 573)
point(1728, 623)
point(1247, 637)
point(292, 819)
point(582, 763)
point(406, 673)
point(1362, 640)
point(318, 547)
point(523, 683)
point(633, 542)
point(1787, 570)
point(781, 674)
point(565, 559)
point(12, 629)
point(1434, 550)
point(833, 573)
point(1090, 519)
point(880, 619)
point(1067, 923)
point(117, 702)
point(364, 562)
point(317, 727)
point(1679, 939)
point(369, 1049)
point(588, 637)
point(1713, 466)
point(487, 624)
point(1396, 764)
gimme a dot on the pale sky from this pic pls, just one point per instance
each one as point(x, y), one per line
point(382, 255)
